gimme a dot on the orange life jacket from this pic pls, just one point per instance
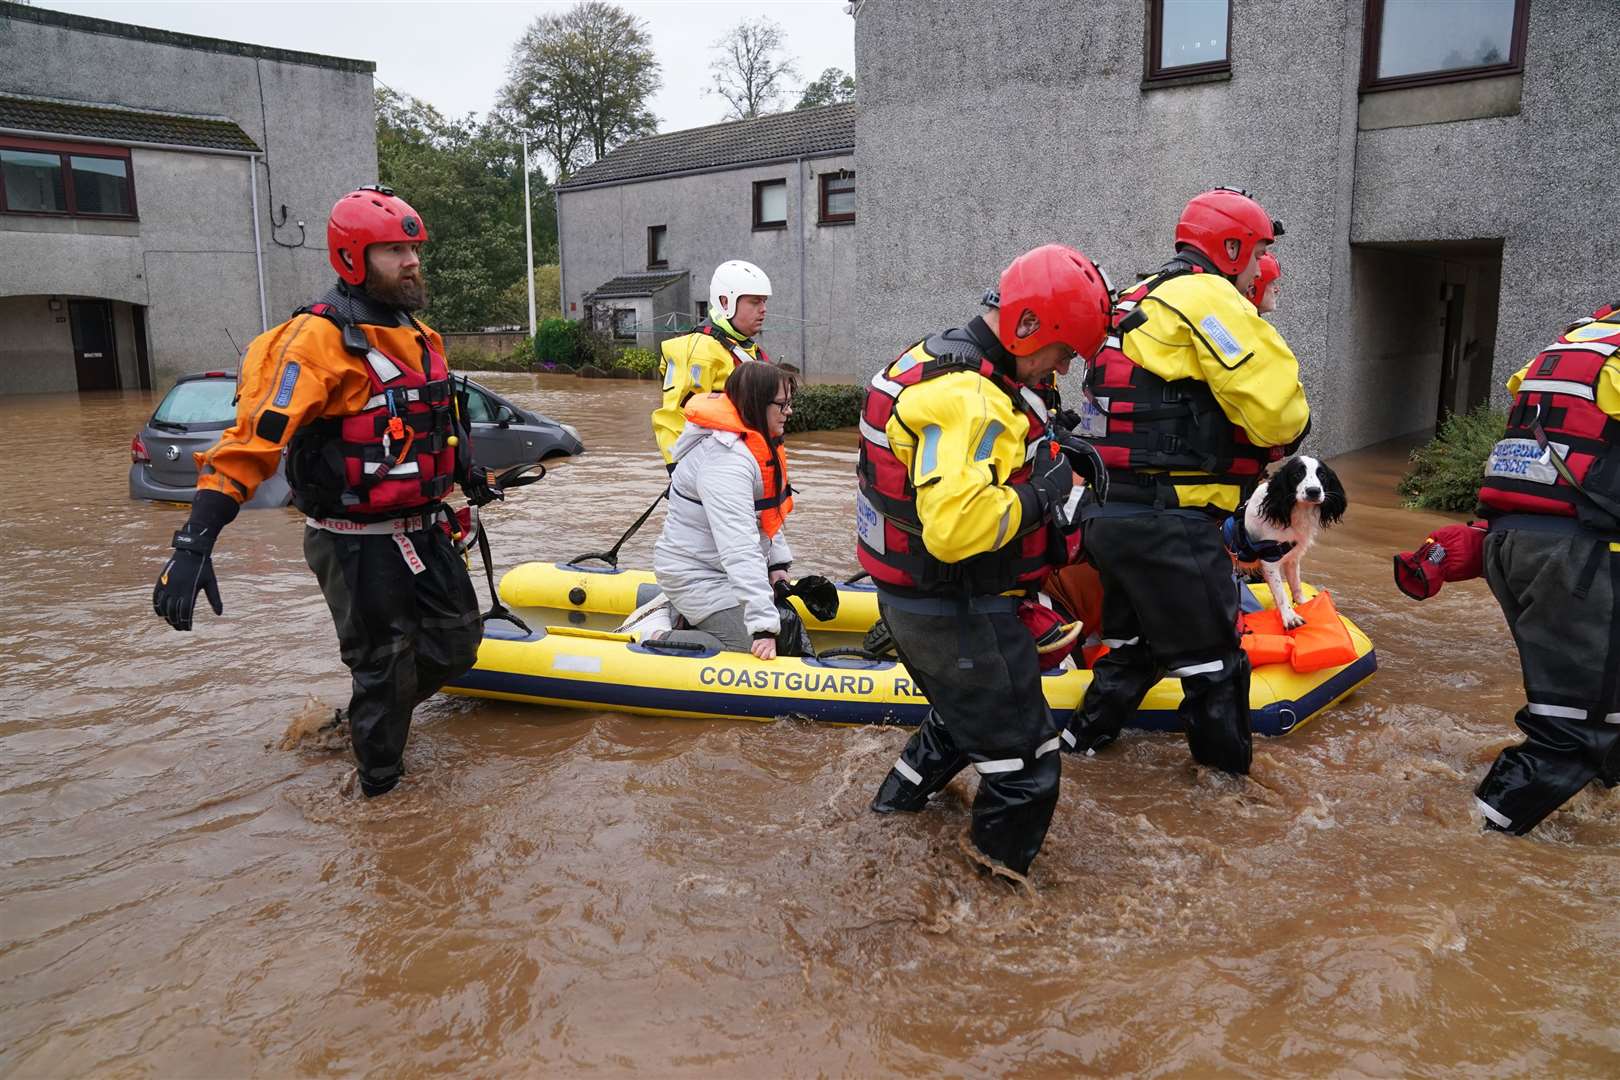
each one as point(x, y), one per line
point(716, 412)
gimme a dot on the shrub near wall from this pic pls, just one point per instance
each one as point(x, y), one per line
point(1445, 474)
point(826, 406)
point(644, 362)
point(556, 341)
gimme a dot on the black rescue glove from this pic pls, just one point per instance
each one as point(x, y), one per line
point(1050, 487)
point(1066, 420)
point(477, 487)
point(190, 570)
point(1084, 459)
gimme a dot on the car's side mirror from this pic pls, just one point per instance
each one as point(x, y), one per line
point(504, 416)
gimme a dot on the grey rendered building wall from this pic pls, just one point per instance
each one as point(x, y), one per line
point(966, 163)
point(1545, 181)
point(190, 257)
point(709, 217)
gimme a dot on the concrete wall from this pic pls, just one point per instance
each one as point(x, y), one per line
point(1544, 180)
point(491, 343)
point(33, 344)
point(969, 156)
point(190, 258)
point(36, 346)
point(709, 218)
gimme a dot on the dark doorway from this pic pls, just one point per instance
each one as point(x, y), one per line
point(143, 362)
point(95, 352)
point(1425, 333)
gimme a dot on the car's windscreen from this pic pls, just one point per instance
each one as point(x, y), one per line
point(198, 401)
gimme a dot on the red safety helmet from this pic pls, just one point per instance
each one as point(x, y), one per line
point(1270, 271)
point(1068, 293)
point(371, 214)
point(1213, 218)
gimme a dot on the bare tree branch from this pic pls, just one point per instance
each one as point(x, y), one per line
point(750, 70)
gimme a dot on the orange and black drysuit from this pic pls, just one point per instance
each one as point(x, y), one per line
point(358, 396)
point(1552, 558)
point(1188, 400)
point(953, 530)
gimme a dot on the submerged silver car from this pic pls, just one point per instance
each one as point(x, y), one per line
point(192, 416)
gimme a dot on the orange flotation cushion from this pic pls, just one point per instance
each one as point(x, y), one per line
point(1323, 641)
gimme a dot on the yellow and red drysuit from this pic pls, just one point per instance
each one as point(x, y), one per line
point(1189, 400)
point(1552, 559)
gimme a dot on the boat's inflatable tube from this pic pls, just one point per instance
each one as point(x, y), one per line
point(603, 591)
point(577, 668)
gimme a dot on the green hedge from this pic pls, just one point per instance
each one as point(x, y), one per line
point(825, 406)
point(1445, 474)
point(556, 342)
point(644, 362)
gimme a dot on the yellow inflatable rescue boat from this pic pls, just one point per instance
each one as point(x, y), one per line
point(572, 665)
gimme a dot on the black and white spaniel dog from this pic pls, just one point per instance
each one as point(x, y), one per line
point(1280, 521)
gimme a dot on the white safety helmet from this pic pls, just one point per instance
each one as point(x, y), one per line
point(732, 279)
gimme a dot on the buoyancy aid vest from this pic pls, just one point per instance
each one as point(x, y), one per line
point(889, 532)
point(716, 412)
point(1146, 427)
point(1555, 411)
point(390, 458)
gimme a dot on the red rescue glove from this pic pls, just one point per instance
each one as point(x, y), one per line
point(1455, 553)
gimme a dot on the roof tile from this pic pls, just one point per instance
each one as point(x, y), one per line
point(821, 130)
point(117, 123)
point(637, 284)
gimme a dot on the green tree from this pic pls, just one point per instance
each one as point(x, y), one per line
point(465, 178)
point(511, 306)
point(578, 83)
point(750, 69)
point(832, 87)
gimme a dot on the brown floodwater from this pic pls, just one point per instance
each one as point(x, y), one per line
point(563, 893)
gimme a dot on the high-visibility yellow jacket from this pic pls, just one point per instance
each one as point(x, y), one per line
point(1197, 326)
point(693, 364)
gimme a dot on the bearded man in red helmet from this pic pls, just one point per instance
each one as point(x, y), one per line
point(356, 391)
point(967, 499)
point(1195, 393)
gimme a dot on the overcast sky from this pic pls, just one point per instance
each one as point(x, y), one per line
point(454, 55)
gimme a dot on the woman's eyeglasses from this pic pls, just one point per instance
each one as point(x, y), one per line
point(786, 405)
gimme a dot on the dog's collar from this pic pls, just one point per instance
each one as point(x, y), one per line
point(1245, 547)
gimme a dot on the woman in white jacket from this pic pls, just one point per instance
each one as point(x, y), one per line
point(723, 547)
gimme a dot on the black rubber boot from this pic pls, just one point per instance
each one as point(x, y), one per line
point(1559, 756)
point(1119, 682)
point(1013, 810)
point(1215, 710)
point(933, 759)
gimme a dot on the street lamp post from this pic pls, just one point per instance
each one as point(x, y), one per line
point(528, 235)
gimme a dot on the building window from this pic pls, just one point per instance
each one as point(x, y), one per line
point(703, 309)
point(1188, 37)
point(770, 204)
point(657, 252)
point(624, 323)
point(837, 197)
point(65, 179)
point(1418, 42)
